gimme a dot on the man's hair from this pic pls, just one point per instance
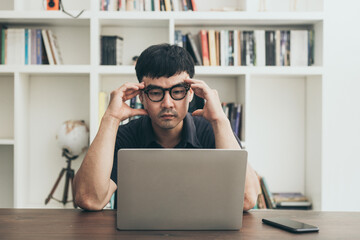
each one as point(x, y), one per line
point(164, 60)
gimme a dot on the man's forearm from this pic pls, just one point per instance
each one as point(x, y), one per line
point(224, 136)
point(225, 139)
point(93, 186)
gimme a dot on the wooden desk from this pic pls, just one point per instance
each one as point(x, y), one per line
point(76, 224)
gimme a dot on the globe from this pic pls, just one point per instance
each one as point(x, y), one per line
point(73, 137)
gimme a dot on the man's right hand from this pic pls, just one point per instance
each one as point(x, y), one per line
point(118, 108)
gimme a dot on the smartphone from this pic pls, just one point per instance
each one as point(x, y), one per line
point(290, 225)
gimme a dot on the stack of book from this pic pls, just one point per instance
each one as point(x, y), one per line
point(280, 200)
point(249, 48)
point(234, 114)
point(148, 5)
point(111, 50)
point(291, 200)
point(28, 46)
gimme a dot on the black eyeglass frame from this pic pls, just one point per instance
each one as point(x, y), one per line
point(185, 85)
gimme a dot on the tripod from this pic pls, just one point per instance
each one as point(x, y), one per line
point(68, 180)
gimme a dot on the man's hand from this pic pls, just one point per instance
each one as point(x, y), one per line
point(212, 110)
point(118, 108)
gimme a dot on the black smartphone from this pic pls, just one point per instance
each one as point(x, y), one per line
point(290, 225)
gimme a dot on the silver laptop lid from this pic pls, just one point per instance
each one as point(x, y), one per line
point(170, 189)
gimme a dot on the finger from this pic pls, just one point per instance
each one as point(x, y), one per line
point(192, 81)
point(128, 86)
point(136, 112)
point(200, 90)
point(130, 95)
point(198, 112)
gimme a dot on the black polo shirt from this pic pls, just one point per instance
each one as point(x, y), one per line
point(197, 133)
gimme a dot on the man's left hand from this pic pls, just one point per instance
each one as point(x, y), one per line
point(212, 110)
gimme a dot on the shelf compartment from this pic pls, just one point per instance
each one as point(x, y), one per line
point(49, 100)
point(6, 106)
point(136, 39)
point(7, 141)
point(49, 18)
point(46, 69)
point(6, 176)
point(227, 71)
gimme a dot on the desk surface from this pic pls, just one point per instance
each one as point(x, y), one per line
point(77, 224)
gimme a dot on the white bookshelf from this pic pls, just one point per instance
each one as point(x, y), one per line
point(279, 102)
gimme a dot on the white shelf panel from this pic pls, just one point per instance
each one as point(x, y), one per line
point(57, 69)
point(7, 141)
point(227, 71)
point(111, 70)
point(44, 18)
point(219, 18)
point(286, 71)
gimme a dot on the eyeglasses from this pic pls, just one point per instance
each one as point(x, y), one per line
point(157, 94)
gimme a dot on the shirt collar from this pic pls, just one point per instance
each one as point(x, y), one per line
point(188, 133)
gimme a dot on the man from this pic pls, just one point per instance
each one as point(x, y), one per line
point(165, 89)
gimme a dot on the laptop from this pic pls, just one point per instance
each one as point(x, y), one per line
point(171, 189)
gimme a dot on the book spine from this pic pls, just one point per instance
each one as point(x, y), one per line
point(3, 46)
point(204, 47)
point(223, 47)
point(193, 5)
point(38, 47)
point(167, 5)
point(217, 43)
point(1, 40)
point(52, 46)
point(26, 46)
point(212, 47)
point(178, 38)
point(195, 48)
point(184, 5)
point(47, 46)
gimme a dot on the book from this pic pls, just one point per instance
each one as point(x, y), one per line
point(195, 50)
point(260, 47)
point(54, 45)
point(48, 50)
point(212, 47)
point(193, 5)
point(299, 47)
point(33, 46)
point(204, 47)
point(311, 53)
point(111, 50)
point(178, 38)
point(291, 200)
point(2, 44)
point(38, 46)
point(267, 194)
point(184, 5)
point(217, 43)
point(167, 5)
point(270, 48)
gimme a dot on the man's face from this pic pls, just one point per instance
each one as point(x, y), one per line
point(167, 113)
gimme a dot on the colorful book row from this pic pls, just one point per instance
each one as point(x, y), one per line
point(249, 48)
point(23, 46)
point(148, 5)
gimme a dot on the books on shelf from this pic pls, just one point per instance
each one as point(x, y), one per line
point(249, 48)
point(291, 200)
point(148, 5)
point(280, 200)
point(25, 46)
point(111, 50)
point(234, 113)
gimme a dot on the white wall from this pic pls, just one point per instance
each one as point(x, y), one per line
point(341, 138)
